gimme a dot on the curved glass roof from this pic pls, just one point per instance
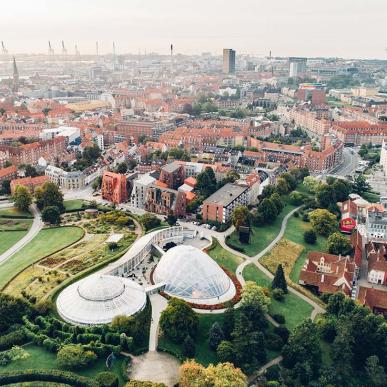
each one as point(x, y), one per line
point(191, 274)
point(99, 298)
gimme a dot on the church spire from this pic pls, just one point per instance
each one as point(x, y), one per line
point(15, 85)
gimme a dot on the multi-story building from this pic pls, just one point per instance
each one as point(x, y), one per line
point(165, 201)
point(8, 173)
point(114, 187)
point(29, 182)
point(30, 153)
point(219, 206)
point(172, 175)
point(64, 179)
point(360, 132)
point(140, 187)
point(377, 263)
point(375, 299)
point(297, 66)
point(311, 92)
point(383, 156)
point(327, 273)
point(228, 61)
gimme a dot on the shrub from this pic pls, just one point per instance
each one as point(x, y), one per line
point(106, 379)
point(280, 318)
point(310, 237)
point(74, 357)
point(296, 214)
point(278, 294)
point(305, 218)
point(13, 338)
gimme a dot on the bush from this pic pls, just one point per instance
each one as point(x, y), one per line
point(74, 357)
point(278, 294)
point(280, 318)
point(106, 379)
point(310, 237)
point(305, 218)
point(13, 338)
point(296, 214)
point(45, 376)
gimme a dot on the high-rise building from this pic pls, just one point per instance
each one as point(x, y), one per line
point(297, 66)
point(228, 61)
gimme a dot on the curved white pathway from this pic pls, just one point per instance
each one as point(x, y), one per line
point(36, 226)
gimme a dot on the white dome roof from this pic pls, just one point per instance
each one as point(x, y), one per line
point(99, 298)
point(191, 274)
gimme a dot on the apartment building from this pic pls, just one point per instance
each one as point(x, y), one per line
point(220, 205)
point(114, 187)
point(63, 179)
point(29, 182)
point(8, 173)
point(140, 187)
point(165, 201)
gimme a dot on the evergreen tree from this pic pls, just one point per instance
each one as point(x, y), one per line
point(215, 336)
point(228, 322)
point(188, 347)
point(279, 281)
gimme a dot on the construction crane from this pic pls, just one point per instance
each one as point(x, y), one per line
point(77, 53)
point(3, 49)
point(50, 49)
point(64, 51)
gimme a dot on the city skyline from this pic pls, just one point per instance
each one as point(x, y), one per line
point(286, 28)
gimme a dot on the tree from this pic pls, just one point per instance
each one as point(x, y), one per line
point(282, 186)
point(375, 372)
point(188, 347)
point(310, 237)
point(360, 185)
point(107, 379)
point(122, 168)
point(30, 171)
point(296, 198)
point(97, 183)
point(323, 222)
point(132, 164)
point(311, 184)
point(206, 182)
point(46, 110)
point(215, 336)
point(267, 191)
point(12, 310)
point(302, 353)
point(342, 189)
point(339, 244)
point(253, 294)
point(228, 322)
point(279, 281)
point(276, 199)
point(150, 221)
point(6, 187)
point(240, 217)
point(187, 109)
point(268, 210)
point(49, 195)
point(178, 320)
point(225, 351)
point(222, 374)
point(290, 179)
point(326, 196)
point(74, 356)
point(171, 220)
point(22, 198)
point(51, 214)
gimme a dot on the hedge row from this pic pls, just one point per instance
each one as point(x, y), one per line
point(8, 340)
point(57, 376)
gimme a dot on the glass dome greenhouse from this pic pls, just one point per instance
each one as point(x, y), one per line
point(193, 275)
point(99, 298)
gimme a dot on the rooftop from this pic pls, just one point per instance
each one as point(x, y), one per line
point(227, 194)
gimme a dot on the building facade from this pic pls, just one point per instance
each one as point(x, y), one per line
point(114, 187)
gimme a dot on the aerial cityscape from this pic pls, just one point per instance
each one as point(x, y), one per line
point(193, 194)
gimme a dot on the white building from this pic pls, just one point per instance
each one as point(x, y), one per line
point(100, 142)
point(64, 179)
point(72, 133)
point(140, 187)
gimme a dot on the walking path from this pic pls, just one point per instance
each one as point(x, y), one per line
point(36, 226)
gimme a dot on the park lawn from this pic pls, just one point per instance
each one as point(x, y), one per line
point(8, 239)
point(42, 359)
point(8, 224)
point(293, 307)
point(261, 236)
point(14, 212)
point(295, 233)
point(74, 205)
point(224, 257)
point(45, 243)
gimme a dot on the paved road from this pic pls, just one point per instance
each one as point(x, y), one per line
point(349, 164)
point(36, 226)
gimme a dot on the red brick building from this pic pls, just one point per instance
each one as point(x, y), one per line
point(328, 273)
point(29, 182)
point(172, 175)
point(114, 187)
point(165, 201)
point(8, 173)
point(375, 299)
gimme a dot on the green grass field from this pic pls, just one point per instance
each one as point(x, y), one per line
point(224, 258)
point(261, 236)
point(9, 238)
point(45, 243)
point(10, 212)
point(295, 232)
point(293, 308)
point(42, 359)
point(73, 205)
point(7, 224)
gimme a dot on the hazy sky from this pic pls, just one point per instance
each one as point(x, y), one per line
point(344, 28)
